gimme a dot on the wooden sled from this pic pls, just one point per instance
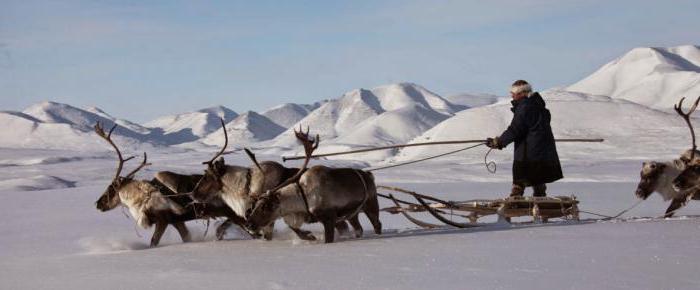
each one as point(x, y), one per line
point(541, 209)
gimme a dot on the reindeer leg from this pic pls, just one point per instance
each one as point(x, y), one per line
point(221, 229)
point(295, 223)
point(355, 222)
point(342, 227)
point(329, 227)
point(675, 205)
point(372, 211)
point(183, 231)
point(267, 232)
point(304, 235)
point(158, 233)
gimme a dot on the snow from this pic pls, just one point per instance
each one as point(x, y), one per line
point(617, 121)
point(121, 122)
point(384, 115)
point(191, 126)
point(286, 115)
point(54, 168)
point(79, 119)
point(652, 76)
point(474, 100)
point(40, 182)
point(247, 128)
point(64, 242)
point(29, 132)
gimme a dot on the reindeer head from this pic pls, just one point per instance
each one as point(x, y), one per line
point(110, 198)
point(267, 206)
point(687, 179)
point(211, 183)
point(265, 212)
point(649, 178)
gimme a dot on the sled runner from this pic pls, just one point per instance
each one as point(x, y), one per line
point(541, 209)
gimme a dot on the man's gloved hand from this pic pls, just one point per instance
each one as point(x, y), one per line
point(493, 143)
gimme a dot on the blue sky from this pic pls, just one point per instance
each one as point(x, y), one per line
point(142, 59)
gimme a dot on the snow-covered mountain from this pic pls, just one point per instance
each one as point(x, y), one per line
point(474, 100)
point(655, 77)
point(21, 130)
point(628, 128)
point(82, 120)
point(247, 128)
point(287, 115)
point(388, 114)
point(121, 122)
point(191, 126)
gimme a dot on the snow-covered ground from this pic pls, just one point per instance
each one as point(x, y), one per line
point(54, 238)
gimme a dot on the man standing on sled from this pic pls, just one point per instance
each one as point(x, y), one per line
point(535, 160)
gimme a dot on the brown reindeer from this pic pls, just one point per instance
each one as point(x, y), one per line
point(673, 180)
point(179, 188)
point(238, 186)
point(321, 194)
point(689, 179)
point(153, 202)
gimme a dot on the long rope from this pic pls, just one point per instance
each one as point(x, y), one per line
point(425, 159)
point(287, 158)
point(607, 217)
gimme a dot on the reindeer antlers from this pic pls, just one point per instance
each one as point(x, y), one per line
point(142, 165)
point(222, 149)
point(686, 117)
point(108, 137)
point(120, 165)
point(309, 146)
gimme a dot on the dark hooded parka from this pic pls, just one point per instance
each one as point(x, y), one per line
point(536, 160)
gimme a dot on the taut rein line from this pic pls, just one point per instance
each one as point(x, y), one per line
point(436, 156)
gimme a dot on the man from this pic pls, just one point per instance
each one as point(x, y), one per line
point(535, 161)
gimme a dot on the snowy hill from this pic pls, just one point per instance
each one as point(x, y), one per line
point(247, 128)
point(82, 120)
point(287, 115)
point(191, 126)
point(388, 114)
point(656, 77)
point(29, 132)
point(629, 129)
point(474, 100)
point(121, 122)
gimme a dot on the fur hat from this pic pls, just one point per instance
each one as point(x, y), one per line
point(521, 86)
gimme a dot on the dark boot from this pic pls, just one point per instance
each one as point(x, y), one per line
point(540, 190)
point(517, 190)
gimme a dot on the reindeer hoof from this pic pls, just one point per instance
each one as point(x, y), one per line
point(220, 233)
point(307, 237)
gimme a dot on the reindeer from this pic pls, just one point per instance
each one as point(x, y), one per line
point(179, 188)
point(319, 194)
point(147, 202)
point(673, 180)
point(238, 186)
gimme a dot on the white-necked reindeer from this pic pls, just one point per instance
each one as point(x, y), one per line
point(159, 201)
point(663, 177)
point(320, 194)
point(239, 186)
